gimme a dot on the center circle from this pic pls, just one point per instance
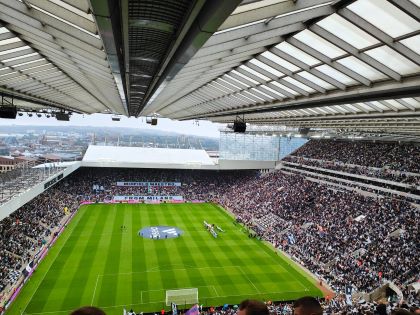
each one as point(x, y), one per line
point(160, 232)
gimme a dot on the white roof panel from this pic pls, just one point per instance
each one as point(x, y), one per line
point(139, 155)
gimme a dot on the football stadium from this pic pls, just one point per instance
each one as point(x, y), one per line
point(310, 206)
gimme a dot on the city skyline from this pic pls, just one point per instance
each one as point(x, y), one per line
point(198, 128)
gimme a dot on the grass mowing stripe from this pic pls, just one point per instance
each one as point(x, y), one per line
point(124, 292)
point(32, 286)
point(187, 256)
point(50, 285)
point(108, 289)
point(94, 281)
point(212, 249)
point(83, 269)
point(138, 254)
point(219, 268)
point(164, 255)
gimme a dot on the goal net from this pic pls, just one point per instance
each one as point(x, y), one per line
point(182, 296)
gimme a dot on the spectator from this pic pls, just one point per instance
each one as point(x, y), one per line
point(252, 307)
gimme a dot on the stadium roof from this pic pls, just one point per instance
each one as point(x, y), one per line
point(352, 65)
point(147, 156)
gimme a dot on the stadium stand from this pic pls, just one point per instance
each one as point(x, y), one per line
point(341, 236)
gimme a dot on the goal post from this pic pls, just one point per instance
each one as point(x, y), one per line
point(182, 296)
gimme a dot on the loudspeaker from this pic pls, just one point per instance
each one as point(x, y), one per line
point(62, 116)
point(239, 126)
point(154, 121)
point(8, 112)
point(304, 131)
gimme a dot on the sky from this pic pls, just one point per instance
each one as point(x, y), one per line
point(203, 128)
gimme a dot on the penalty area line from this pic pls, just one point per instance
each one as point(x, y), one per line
point(94, 291)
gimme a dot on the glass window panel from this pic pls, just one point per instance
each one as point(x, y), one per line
point(320, 109)
point(239, 100)
point(316, 80)
point(396, 104)
point(218, 89)
point(229, 84)
point(9, 41)
point(265, 67)
point(280, 61)
point(7, 74)
point(221, 88)
point(28, 63)
point(64, 21)
point(299, 84)
point(239, 82)
point(411, 101)
point(341, 109)
point(362, 68)
point(353, 108)
point(297, 53)
point(339, 76)
point(413, 43)
point(3, 30)
point(73, 9)
point(347, 31)
point(285, 88)
point(244, 76)
point(304, 112)
point(385, 16)
point(259, 91)
point(393, 60)
point(243, 96)
point(312, 111)
point(238, 27)
point(332, 109)
point(366, 107)
point(252, 71)
point(273, 91)
point(381, 106)
point(312, 40)
point(247, 146)
point(252, 95)
point(13, 50)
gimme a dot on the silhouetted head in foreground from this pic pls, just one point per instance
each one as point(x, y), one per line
point(253, 307)
point(307, 306)
point(88, 310)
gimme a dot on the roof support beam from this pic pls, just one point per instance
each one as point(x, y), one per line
point(408, 8)
point(380, 35)
point(307, 68)
point(379, 91)
point(334, 64)
point(354, 52)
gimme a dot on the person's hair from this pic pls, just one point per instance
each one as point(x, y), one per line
point(400, 311)
point(381, 309)
point(309, 305)
point(88, 310)
point(254, 307)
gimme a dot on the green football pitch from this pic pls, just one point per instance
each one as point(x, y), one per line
point(94, 262)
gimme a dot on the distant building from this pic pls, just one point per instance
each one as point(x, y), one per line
point(8, 163)
point(51, 158)
point(4, 150)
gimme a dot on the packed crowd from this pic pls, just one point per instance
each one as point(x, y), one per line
point(400, 157)
point(381, 173)
point(324, 228)
point(305, 305)
point(343, 237)
point(28, 228)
